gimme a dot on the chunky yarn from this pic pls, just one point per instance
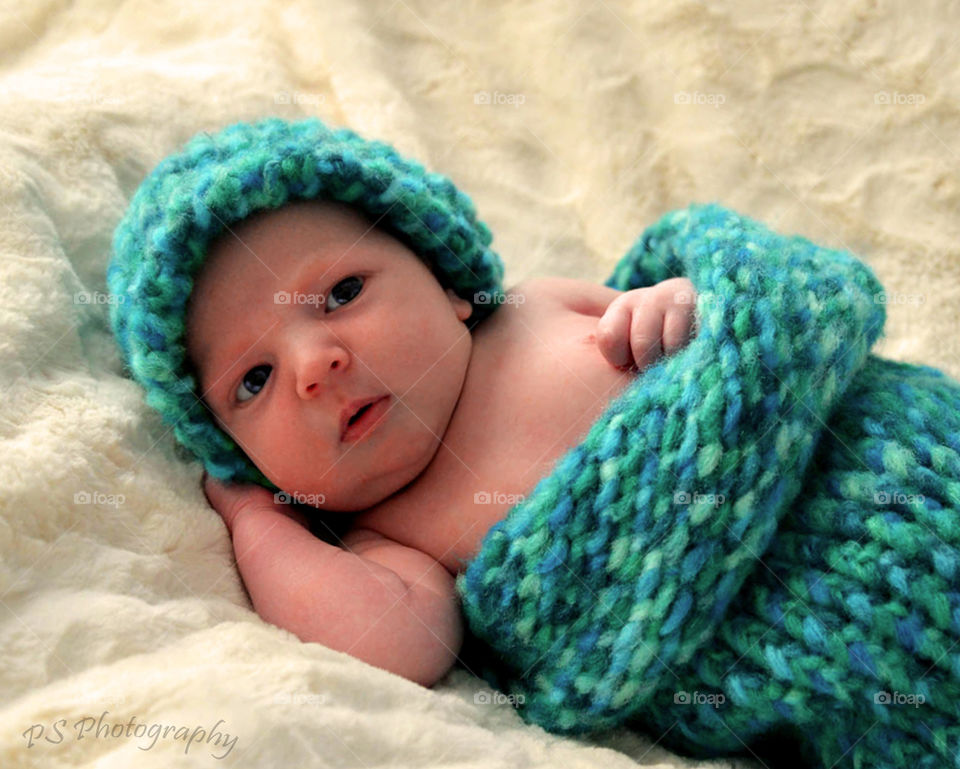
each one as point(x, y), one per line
point(760, 537)
point(193, 195)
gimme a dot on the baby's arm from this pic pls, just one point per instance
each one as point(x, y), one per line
point(392, 607)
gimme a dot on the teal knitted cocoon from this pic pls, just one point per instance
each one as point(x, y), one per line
point(758, 538)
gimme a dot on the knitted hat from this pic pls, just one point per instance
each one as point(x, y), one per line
point(164, 237)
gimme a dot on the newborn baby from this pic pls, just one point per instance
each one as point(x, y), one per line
point(330, 352)
point(766, 521)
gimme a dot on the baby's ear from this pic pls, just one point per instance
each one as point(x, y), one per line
point(463, 308)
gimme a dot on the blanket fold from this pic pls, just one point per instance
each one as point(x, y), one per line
point(612, 583)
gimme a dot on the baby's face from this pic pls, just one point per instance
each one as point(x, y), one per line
point(364, 317)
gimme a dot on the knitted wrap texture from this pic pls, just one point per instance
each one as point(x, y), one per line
point(758, 538)
point(192, 196)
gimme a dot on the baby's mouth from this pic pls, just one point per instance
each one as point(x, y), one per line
point(360, 410)
point(356, 416)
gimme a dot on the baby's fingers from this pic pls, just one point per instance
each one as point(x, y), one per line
point(613, 334)
point(646, 327)
point(678, 327)
point(233, 500)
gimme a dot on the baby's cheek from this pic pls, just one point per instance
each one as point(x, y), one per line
point(273, 449)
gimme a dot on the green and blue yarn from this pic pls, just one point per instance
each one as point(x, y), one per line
point(191, 196)
point(715, 563)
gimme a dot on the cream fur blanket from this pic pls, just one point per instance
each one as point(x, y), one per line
point(572, 128)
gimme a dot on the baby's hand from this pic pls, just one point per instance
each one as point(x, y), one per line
point(233, 500)
point(641, 324)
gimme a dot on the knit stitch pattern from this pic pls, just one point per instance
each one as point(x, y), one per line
point(192, 196)
point(758, 537)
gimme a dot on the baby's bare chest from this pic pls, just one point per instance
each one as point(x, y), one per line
point(536, 383)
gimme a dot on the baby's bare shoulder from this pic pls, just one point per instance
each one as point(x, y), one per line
point(571, 294)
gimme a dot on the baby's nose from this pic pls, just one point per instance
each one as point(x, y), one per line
point(316, 365)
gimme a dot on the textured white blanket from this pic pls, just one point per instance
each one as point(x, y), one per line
point(127, 639)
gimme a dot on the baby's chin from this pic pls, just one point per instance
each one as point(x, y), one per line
point(370, 488)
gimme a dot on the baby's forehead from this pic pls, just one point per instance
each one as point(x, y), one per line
point(287, 248)
point(297, 232)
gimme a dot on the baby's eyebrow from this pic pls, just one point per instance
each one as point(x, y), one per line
point(230, 364)
point(317, 259)
point(230, 369)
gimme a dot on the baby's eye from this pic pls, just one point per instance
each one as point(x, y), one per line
point(350, 288)
point(254, 380)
